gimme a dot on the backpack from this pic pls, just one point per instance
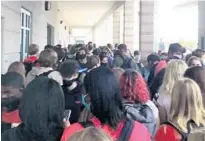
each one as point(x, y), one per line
point(197, 134)
point(45, 73)
point(126, 63)
point(125, 133)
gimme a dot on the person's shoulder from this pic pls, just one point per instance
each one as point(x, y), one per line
point(167, 132)
point(69, 131)
point(140, 132)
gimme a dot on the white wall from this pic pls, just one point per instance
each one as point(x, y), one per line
point(11, 13)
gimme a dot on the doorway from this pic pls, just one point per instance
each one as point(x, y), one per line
point(50, 34)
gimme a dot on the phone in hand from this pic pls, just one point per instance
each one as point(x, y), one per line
point(67, 114)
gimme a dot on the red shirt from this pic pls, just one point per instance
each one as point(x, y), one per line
point(139, 133)
point(31, 59)
point(11, 117)
point(167, 133)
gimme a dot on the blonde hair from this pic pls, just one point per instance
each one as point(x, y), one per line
point(174, 71)
point(90, 134)
point(187, 104)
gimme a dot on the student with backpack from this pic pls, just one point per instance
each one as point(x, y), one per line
point(72, 88)
point(122, 59)
point(106, 106)
point(187, 114)
point(47, 60)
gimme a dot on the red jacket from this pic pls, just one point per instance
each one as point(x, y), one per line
point(139, 133)
point(167, 133)
point(31, 59)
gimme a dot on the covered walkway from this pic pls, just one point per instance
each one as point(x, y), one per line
point(69, 22)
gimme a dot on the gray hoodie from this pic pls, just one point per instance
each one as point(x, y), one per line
point(36, 71)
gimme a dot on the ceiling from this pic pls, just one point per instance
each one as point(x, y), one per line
point(84, 13)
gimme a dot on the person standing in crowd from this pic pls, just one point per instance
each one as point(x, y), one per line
point(194, 61)
point(12, 84)
point(33, 51)
point(152, 60)
point(47, 59)
point(186, 112)
point(137, 59)
point(32, 58)
point(155, 81)
point(137, 102)
point(90, 134)
point(107, 108)
point(73, 89)
point(200, 54)
point(104, 59)
point(122, 58)
point(198, 75)
point(41, 111)
point(81, 57)
point(92, 62)
point(171, 76)
point(48, 47)
point(90, 51)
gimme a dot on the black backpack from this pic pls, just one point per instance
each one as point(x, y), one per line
point(126, 130)
point(45, 73)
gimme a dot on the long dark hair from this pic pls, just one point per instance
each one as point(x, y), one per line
point(104, 91)
point(41, 110)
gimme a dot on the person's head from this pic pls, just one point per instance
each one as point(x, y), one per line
point(122, 48)
point(133, 87)
point(137, 55)
point(48, 47)
point(33, 49)
point(12, 84)
point(198, 75)
point(109, 46)
point(116, 46)
point(153, 59)
point(118, 73)
point(176, 51)
point(90, 48)
point(41, 109)
point(90, 134)
point(93, 62)
point(104, 59)
point(200, 54)
point(174, 71)
point(60, 52)
point(90, 43)
point(188, 56)
point(59, 46)
point(81, 54)
point(48, 58)
point(69, 69)
point(186, 104)
point(17, 67)
point(163, 56)
point(194, 61)
point(106, 102)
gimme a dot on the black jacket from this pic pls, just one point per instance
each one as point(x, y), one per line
point(73, 98)
point(141, 113)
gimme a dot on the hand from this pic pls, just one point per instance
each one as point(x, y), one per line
point(66, 123)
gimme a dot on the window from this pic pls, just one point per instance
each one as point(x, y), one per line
point(25, 32)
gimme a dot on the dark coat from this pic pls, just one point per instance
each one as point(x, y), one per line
point(119, 61)
point(141, 113)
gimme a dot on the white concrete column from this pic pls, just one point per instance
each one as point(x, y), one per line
point(131, 24)
point(146, 27)
point(201, 24)
point(116, 27)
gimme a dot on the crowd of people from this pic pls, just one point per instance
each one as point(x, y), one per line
point(106, 93)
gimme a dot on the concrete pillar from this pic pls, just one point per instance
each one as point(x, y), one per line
point(116, 27)
point(146, 27)
point(131, 24)
point(201, 24)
